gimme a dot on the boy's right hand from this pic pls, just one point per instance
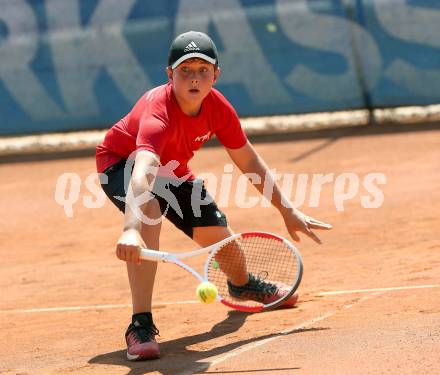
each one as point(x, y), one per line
point(129, 246)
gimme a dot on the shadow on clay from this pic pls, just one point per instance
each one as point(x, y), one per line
point(177, 358)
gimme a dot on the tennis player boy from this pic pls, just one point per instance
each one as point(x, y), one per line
point(165, 127)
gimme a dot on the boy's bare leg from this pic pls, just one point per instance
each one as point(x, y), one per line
point(236, 272)
point(141, 277)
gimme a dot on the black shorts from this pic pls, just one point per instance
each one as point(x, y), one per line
point(186, 204)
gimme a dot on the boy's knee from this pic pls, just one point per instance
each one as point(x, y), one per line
point(152, 209)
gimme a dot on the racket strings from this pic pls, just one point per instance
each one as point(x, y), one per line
point(268, 261)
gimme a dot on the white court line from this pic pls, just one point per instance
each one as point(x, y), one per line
point(377, 290)
point(120, 306)
point(92, 307)
point(276, 336)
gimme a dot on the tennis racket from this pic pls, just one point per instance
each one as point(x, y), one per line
point(270, 265)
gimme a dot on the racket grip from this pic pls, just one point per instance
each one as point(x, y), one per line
point(153, 255)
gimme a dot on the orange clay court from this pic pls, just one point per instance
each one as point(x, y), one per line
point(369, 299)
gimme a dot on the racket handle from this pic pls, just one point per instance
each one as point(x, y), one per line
point(153, 255)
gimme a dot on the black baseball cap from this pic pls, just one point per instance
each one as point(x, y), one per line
point(192, 44)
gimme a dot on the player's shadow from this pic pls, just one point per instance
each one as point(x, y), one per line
point(176, 357)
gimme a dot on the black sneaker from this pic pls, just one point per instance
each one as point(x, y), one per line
point(140, 338)
point(262, 291)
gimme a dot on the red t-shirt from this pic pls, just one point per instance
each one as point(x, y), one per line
point(157, 124)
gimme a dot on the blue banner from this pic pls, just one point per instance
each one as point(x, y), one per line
point(82, 64)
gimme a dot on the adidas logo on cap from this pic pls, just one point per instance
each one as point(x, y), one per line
point(191, 47)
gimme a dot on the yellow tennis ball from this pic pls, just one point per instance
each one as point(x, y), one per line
point(206, 292)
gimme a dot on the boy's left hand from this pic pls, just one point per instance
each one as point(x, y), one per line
point(296, 221)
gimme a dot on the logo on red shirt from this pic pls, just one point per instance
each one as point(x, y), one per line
point(203, 138)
